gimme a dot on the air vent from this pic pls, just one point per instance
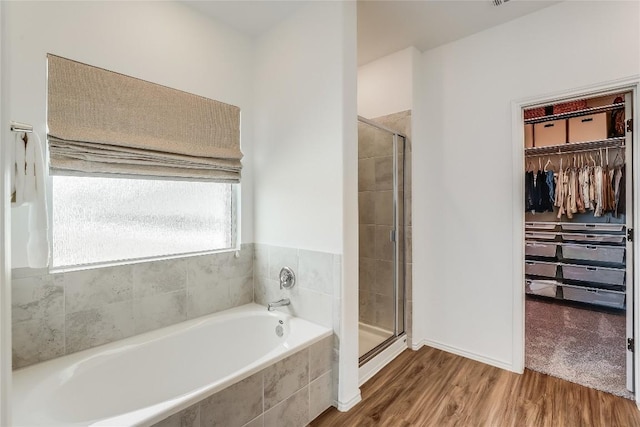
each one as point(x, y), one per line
point(499, 2)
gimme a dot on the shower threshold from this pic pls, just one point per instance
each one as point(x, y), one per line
point(372, 340)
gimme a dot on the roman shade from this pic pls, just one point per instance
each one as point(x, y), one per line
point(101, 122)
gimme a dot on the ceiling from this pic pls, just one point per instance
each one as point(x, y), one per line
point(384, 26)
point(387, 26)
point(252, 17)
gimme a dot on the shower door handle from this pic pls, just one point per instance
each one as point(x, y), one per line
point(392, 236)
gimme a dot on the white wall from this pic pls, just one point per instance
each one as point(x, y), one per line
point(298, 131)
point(163, 42)
point(306, 153)
point(5, 253)
point(463, 166)
point(385, 86)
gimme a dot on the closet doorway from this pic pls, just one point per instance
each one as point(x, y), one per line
point(579, 257)
point(381, 238)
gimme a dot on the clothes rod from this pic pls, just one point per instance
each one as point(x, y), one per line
point(20, 127)
point(568, 153)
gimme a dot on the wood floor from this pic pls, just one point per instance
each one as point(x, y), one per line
point(430, 387)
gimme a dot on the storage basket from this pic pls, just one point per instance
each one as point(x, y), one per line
point(545, 288)
point(601, 297)
point(592, 238)
point(592, 227)
point(534, 113)
point(610, 254)
point(604, 275)
point(571, 106)
point(588, 128)
point(540, 235)
point(540, 268)
point(542, 249)
point(540, 225)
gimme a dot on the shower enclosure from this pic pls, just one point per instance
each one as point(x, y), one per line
point(381, 237)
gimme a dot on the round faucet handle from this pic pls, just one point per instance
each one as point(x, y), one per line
point(287, 278)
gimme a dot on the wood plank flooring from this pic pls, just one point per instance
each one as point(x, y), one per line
point(430, 387)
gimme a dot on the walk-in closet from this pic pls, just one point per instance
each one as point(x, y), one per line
point(578, 233)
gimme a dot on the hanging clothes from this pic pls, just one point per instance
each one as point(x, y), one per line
point(546, 203)
point(611, 198)
point(572, 194)
point(585, 173)
point(577, 189)
point(551, 184)
point(528, 191)
point(598, 176)
point(538, 192)
point(562, 192)
point(579, 192)
point(619, 191)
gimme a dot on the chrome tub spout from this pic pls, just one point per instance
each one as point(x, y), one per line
point(281, 303)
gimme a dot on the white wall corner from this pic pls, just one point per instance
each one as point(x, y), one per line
point(517, 260)
point(385, 86)
point(348, 387)
point(417, 344)
point(5, 233)
point(502, 364)
point(419, 207)
point(344, 406)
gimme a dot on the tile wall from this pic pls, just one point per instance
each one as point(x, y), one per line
point(375, 199)
point(61, 313)
point(317, 275)
point(316, 295)
point(291, 392)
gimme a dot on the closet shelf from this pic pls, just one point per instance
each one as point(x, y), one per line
point(578, 113)
point(576, 147)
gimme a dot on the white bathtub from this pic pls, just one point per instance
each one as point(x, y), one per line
point(143, 379)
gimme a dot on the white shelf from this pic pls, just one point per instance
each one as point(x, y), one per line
point(617, 142)
point(578, 113)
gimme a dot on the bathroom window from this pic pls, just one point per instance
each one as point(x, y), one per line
point(99, 220)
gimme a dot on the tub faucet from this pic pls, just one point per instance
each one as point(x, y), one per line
point(281, 303)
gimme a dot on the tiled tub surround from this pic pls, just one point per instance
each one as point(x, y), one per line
point(262, 379)
point(291, 392)
point(316, 294)
point(62, 313)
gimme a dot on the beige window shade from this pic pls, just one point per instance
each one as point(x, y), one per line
point(101, 122)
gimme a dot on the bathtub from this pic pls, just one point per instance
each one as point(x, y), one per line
point(143, 379)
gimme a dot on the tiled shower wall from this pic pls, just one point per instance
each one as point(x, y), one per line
point(375, 199)
point(61, 313)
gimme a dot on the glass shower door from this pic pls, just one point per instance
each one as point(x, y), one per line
point(380, 199)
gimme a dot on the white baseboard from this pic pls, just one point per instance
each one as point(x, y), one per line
point(374, 365)
point(415, 346)
point(469, 355)
point(345, 406)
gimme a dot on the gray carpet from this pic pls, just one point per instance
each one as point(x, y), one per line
point(576, 344)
